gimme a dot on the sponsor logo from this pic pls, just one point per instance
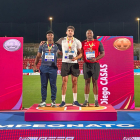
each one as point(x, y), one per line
point(46, 138)
point(37, 73)
point(86, 44)
point(104, 83)
point(131, 138)
point(12, 45)
point(122, 44)
point(67, 125)
point(81, 71)
point(136, 73)
point(58, 71)
point(66, 109)
point(25, 73)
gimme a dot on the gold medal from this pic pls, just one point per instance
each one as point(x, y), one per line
point(91, 50)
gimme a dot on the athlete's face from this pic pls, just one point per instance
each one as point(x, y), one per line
point(89, 34)
point(70, 32)
point(50, 37)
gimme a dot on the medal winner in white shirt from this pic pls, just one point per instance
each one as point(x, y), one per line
point(70, 48)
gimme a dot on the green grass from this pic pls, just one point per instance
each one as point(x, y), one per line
point(137, 90)
point(32, 90)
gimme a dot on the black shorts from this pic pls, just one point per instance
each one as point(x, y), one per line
point(91, 70)
point(70, 68)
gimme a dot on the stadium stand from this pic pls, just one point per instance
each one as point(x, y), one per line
point(59, 63)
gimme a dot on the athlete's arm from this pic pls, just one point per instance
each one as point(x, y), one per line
point(59, 41)
point(82, 51)
point(42, 43)
point(36, 61)
point(77, 57)
point(79, 46)
point(37, 58)
point(59, 51)
point(59, 44)
point(102, 53)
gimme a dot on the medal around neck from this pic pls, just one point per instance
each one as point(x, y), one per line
point(49, 56)
point(70, 52)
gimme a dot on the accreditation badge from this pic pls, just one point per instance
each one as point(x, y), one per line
point(69, 55)
point(49, 56)
point(90, 55)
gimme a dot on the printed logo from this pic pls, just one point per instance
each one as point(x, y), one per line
point(122, 44)
point(12, 45)
point(46, 138)
point(131, 138)
point(58, 71)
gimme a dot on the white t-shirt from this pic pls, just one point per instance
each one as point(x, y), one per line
point(65, 49)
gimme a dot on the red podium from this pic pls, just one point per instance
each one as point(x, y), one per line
point(71, 113)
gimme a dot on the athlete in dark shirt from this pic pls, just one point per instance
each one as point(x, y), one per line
point(48, 68)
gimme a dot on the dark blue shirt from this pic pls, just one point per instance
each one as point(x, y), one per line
point(48, 58)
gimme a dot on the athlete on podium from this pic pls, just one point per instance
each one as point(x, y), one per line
point(92, 51)
point(48, 69)
point(70, 48)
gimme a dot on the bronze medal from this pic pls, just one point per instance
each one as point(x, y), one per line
point(91, 50)
point(90, 45)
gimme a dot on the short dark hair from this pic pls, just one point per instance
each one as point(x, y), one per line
point(71, 27)
point(89, 30)
point(48, 32)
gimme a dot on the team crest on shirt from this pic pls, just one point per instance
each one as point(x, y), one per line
point(86, 44)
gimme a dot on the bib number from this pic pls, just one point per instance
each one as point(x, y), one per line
point(49, 56)
point(69, 55)
point(90, 55)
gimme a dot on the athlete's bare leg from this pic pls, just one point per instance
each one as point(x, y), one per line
point(95, 91)
point(74, 83)
point(64, 84)
point(87, 85)
point(95, 86)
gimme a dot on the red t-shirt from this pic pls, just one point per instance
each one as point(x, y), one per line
point(96, 47)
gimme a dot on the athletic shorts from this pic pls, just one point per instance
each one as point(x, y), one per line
point(70, 68)
point(91, 70)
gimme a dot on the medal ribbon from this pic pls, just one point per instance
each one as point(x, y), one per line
point(90, 44)
point(70, 44)
point(49, 46)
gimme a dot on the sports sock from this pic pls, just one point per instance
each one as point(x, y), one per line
point(86, 97)
point(63, 97)
point(96, 97)
point(74, 97)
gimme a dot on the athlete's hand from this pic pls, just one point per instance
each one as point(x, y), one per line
point(73, 59)
point(93, 60)
point(34, 68)
point(41, 43)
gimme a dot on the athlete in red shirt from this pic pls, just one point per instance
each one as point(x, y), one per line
point(92, 50)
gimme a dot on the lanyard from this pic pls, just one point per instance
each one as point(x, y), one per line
point(70, 44)
point(49, 47)
point(90, 45)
